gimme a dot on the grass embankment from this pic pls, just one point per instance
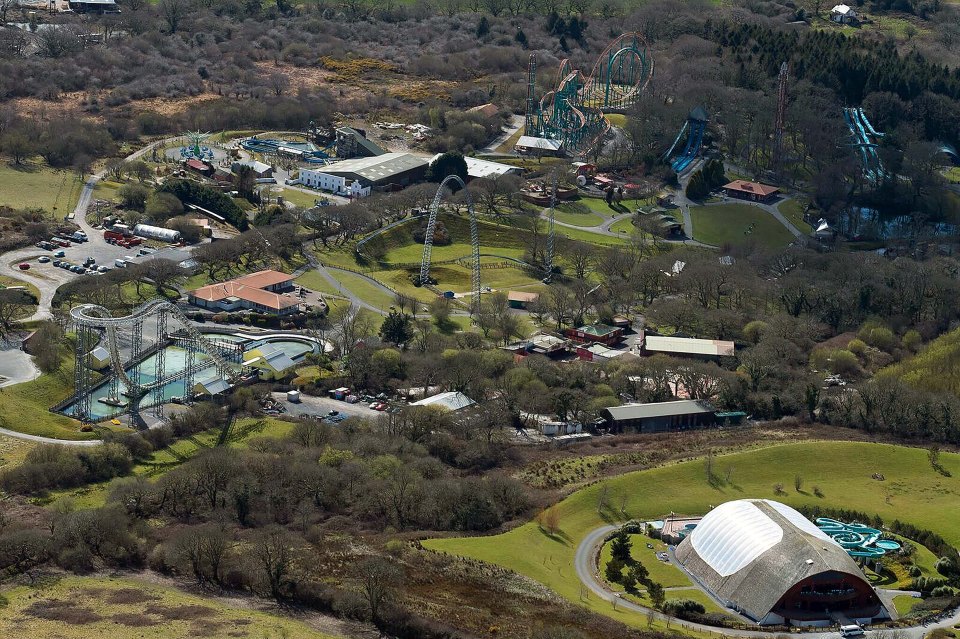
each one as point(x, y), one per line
point(25, 407)
point(510, 142)
point(81, 607)
point(6, 282)
point(13, 451)
point(568, 215)
point(731, 224)
point(793, 211)
point(912, 492)
point(936, 368)
point(36, 186)
point(242, 433)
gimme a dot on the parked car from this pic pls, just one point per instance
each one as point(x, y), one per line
point(43, 259)
point(23, 266)
point(56, 262)
point(59, 254)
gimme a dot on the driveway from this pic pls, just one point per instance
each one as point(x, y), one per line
point(321, 406)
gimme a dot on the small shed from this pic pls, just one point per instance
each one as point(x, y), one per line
point(844, 14)
point(520, 299)
point(99, 358)
point(450, 401)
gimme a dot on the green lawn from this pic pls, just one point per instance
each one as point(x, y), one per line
point(793, 211)
point(953, 174)
point(912, 491)
point(509, 143)
point(128, 607)
point(107, 190)
point(364, 289)
point(6, 281)
point(25, 407)
point(316, 282)
point(37, 186)
point(624, 225)
point(667, 575)
point(905, 603)
point(297, 198)
point(617, 119)
point(730, 224)
point(577, 219)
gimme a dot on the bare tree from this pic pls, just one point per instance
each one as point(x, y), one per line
point(378, 577)
point(173, 12)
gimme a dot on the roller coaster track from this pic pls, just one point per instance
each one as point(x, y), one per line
point(573, 111)
point(474, 238)
point(90, 318)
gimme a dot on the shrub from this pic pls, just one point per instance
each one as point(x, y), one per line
point(857, 346)
point(942, 592)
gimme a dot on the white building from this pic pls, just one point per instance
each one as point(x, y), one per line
point(477, 168)
point(336, 184)
point(843, 14)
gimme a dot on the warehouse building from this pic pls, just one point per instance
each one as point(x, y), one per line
point(477, 168)
point(260, 291)
point(658, 417)
point(770, 563)
point(711, 349)
point(360, 176)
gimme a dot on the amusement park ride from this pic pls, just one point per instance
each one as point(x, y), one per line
point(132, 341)
point(573, 112)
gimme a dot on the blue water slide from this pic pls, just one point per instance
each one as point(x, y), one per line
point(866, 123)
point(676, 140)
point(694, 141)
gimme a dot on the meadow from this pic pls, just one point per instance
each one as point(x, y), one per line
point(731, 224)
point(842, 471)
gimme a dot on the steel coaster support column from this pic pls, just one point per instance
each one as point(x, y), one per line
point(475, 242)
point(528, 127)
point(136, 348)
point(81, 380)
point(160, 360)
point(551, 227)
point(189, 373)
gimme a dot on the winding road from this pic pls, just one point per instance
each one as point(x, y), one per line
point(585, 564)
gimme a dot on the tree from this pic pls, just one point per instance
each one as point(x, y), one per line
point(657, 595)
point(379, 578)
point(13, 305)
point(173, 12)
point(134, 196)
point(17, 145)
point(450, 163)
point(160, 207)
point(614, 571)
point(440, 311)
point(163, 273)
point(621, 546)
point(396, 328)
point(272, 553)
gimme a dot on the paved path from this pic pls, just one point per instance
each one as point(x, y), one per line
point(50, 440)
point(585, 563)
point(516, 123)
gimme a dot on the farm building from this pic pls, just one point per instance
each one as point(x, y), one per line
point(360, 176)
point(753, 191)
point(687, 347)
point(477, 168)
point(520, 299)
point(843, 14)
point(658, 417)
point(770, 563)
point(260, 169)
point(450, 401)
point(538, 146)
point(353, 143)
point(596, 334)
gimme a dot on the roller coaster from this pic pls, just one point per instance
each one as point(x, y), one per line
point(93, 323)
point(694, 126)
point(573, 111)
point(864, 140)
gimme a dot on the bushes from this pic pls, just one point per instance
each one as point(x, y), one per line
point(191, 192)
point(683, 608)
point(50, 466)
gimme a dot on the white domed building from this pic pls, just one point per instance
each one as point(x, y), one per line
point(770, 563)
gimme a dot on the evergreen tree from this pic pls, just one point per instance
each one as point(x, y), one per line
point(450, 163)
point(396, 328)
point(521, 38)
point(621, 546)
point(614, 571)
point(483, 27)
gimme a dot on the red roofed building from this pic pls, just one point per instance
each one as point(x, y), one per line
point(199, 166)
point(753, 191)
point(256, 292)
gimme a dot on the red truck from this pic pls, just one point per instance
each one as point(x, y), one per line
point(121, 239)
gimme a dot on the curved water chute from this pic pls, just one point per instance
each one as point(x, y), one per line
point(859, 540)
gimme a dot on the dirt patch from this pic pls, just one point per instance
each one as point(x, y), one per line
point(64, 611)
point(181, 613)
point(206, 628)
point(134, 620)
point(130, 596)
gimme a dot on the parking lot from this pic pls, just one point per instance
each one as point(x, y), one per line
point(321, 406)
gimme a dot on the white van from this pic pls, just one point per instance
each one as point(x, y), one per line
point(852, 630)
point(120, 263)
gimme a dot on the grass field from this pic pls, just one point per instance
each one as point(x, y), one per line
point(316, 282)
point(729, 223)
point(905, 603)
point(624, 225)
point(25, 407)
point(509, 143)
point(667, 575)
point(953, 174)
point(13, 451)
point(577, 219)
point(364, 289)
point(127, 607)
point(6, 281)
point(793, 211)
point(37, 186)
point(107, 190)
point(912, 492)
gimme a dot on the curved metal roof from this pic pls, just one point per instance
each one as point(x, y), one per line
point(734, 534)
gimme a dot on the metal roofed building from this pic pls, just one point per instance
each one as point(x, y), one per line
point(451, 401)
point(770, 563)
point(538, 146)
point(380, 171)
point(658, 417)
point(477, 168)
point(687, 346)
